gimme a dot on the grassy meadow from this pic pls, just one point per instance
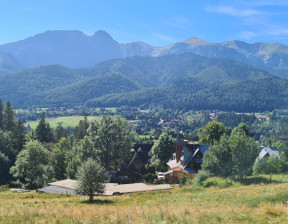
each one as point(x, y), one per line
point(69, 121)
point(241, 202)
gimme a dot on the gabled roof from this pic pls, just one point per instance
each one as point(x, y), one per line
point(268, 151)
point(204, 148)
point(201, 149)
point(140, 152)
point(68, 183)
point(184, 152)
point(189, 160)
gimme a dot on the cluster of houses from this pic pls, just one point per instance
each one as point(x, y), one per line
point(185, 160)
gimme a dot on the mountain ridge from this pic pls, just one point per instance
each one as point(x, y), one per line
point(74, 49)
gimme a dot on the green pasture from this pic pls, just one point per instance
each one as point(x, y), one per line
point(70, 121)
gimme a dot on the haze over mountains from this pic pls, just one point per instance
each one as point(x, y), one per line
point(98, 71)
point(74, 49)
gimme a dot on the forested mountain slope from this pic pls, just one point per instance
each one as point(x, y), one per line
point(164, 71)
point(184, 81)
point(21, 87)
point(191, 94)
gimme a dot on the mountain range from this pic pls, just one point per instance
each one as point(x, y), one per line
point(74, 49)
point(68, 68)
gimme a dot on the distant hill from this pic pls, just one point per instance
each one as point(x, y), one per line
point(74, 49)
point(184, 81)
point(260, 95)
point(21, 87)
point(79, 92)
point(163, 71)
point(8, 63)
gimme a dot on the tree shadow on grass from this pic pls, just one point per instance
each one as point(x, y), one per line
point(99, 202)
point(257, 180)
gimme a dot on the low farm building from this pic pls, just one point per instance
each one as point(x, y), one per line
point(68, 186)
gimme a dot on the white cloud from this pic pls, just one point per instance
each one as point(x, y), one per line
point(228, 10)
point(179, 22)
point(278, 31)
point(248, 35)
point(268, 3)
point(163, 37)
point(272, 31)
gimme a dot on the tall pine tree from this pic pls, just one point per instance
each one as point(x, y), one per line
point(81, 129)
point(1, 115)
point(59, 132)
point(43, 131)
point(19, 136)
point(8, 117)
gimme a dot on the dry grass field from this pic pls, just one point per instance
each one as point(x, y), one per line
point(240, 203)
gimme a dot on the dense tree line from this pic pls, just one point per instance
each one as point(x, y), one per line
point(236, 155)
point(32, 159)
point(12, 139)
point(109, 139)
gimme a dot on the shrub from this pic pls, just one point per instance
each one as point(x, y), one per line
point(150, 177)
point(4, 188)
point(216, 182)
point(182, 181)
point(201, 176)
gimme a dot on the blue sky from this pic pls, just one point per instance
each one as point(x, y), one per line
point(157, 22)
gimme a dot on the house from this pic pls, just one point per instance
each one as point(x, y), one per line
point(140, 156)
point(266, 152)
point(186, 160)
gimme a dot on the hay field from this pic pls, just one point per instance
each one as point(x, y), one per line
point(239, 203)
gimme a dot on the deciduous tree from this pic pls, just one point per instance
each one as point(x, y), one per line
point(233, 155)
point(272, 165)
point(31, 166)
point(242, 129)
point(212, 132)
point(218, 160)
point(244, 153)
point(58, 159)
point(91, 179)
point(112, 141)
point(162, 150)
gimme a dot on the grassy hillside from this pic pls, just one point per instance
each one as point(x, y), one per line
point(241, 203)
point(71, 121)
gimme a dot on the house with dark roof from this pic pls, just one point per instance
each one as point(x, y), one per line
point(140, 156)
point(186, 160)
